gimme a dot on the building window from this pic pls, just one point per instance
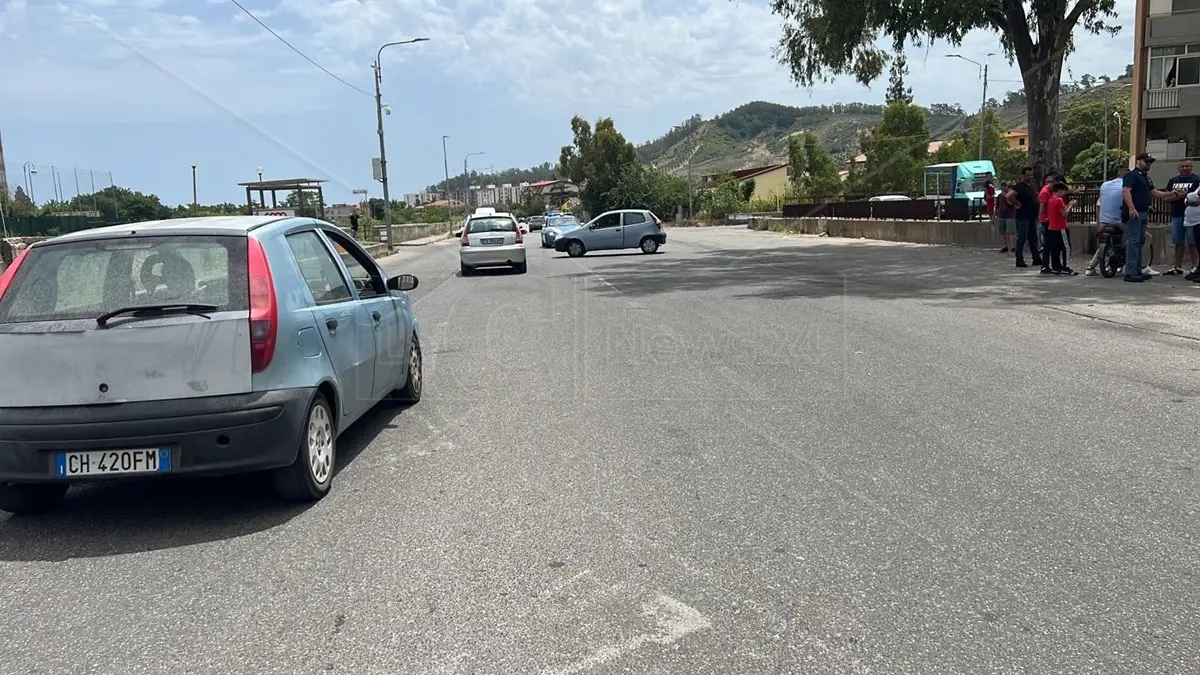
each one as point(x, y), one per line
point(1177, 66)
point(1021, 141)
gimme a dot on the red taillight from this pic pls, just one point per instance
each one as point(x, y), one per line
point(465, 241)
point(7, 277)
point(264, 312)
point(520, 239)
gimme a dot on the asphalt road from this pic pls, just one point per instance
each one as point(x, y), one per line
point(746, 454)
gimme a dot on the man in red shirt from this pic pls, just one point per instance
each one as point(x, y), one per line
point(1058, 243)
point(989, 202)
point(1044, 215)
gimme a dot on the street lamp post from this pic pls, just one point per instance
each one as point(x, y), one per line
point(983, 102)
point(195, 203)
point(466, 190)
point(1105, 118)
point(262, 197)
point(446, 167)
point(383, 177)
point(30, 171)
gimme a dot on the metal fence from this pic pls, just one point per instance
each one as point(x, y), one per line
point(1085, 211)
point(51, 226)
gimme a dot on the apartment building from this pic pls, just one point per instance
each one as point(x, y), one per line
point(1166, 83)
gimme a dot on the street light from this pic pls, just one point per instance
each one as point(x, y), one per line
point(383, 177)
point(446, 167)
point(466, 192)
point(983, 102)
point(691, 152)
point(30, 171)
point(195, 204)
point(1105, 118)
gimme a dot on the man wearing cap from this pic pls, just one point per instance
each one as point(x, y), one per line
point(1138, 191)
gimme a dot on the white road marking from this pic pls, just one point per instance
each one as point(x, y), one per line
point(674, 619)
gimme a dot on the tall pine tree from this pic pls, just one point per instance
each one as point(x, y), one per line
point(897, 92)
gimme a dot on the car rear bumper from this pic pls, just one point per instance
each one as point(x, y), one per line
point(661, 238)
point(488, 256)
point(210, 436)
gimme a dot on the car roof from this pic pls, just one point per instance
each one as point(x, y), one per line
point(211, 225)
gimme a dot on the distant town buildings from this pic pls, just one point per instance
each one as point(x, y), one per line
point(549, 192)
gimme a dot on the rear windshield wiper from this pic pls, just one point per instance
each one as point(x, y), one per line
point(156, 310)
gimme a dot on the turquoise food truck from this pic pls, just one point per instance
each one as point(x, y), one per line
point(960, 180)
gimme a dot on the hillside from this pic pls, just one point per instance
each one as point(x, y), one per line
point(756, 133)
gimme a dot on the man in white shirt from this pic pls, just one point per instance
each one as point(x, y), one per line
point(1112, 197)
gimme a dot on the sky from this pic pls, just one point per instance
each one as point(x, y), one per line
point(142, 89)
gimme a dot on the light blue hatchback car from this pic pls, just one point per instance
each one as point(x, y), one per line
point(197, 347)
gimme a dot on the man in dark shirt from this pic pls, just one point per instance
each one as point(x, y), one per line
point(1027, 216)
point(354, 223)
point(1138, 190)
point(1182, 237)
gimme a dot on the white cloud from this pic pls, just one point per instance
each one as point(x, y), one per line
point(175, 59)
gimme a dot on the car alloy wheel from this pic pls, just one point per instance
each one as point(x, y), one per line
point(320, 444)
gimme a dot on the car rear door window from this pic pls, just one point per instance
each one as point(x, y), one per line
point(320, 270)
point(85, 279)
point(634, 218)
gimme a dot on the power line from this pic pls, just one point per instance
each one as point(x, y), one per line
point(326, 71)
point(293, 48)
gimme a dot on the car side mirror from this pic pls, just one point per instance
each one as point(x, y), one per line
point(402, 282)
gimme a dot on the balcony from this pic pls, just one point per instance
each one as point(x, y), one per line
point(1162, 99)
point(1176, 27)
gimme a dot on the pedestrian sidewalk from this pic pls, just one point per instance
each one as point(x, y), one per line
point(427, 240)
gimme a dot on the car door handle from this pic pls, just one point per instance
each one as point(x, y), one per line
point(376, 316)
point(331, 324)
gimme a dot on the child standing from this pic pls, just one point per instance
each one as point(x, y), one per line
point(1058, 241)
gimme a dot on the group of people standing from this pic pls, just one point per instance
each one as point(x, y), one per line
point(1026, 215)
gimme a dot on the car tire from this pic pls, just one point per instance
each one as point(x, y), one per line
point(521, 268)
point(649, 245)
point(27, 499)
point(414, 383)
point(575, 248)
point(466, 270)
point(309, 477)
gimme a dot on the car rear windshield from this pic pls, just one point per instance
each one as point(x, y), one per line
point(491, 225)
point(85, 279)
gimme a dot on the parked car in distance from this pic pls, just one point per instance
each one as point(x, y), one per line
point(492, 241)
point(537, 222)
point(613, 230)
point(195, 347)
point(555, 226)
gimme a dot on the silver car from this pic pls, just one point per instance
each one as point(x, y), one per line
point(492, 241)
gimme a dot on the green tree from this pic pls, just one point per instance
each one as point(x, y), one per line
point(897, 92)
point(1084, 124)
point(594, 161)
point(642, 187)
point(821, 180)
point(1088, 166)
point(958, 148)
point(20, 204)
point(797, 159)
point(724, 199)
point(897, 149)
point(118, 203)
point(309, 198)
point(823, 39)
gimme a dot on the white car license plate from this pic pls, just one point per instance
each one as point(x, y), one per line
point(112, 462)
point(491, 242)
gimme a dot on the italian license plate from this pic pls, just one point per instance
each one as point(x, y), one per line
point(112, 462)
point(491, 242)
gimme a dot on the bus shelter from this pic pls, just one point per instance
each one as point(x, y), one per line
point(310, 197)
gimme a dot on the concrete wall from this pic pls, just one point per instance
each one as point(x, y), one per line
point(981, 234)
point(410, 231)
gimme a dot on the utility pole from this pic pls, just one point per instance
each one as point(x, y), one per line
point(195, 202)
point(983, 107)
point(446, 167)
point(383, 177)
